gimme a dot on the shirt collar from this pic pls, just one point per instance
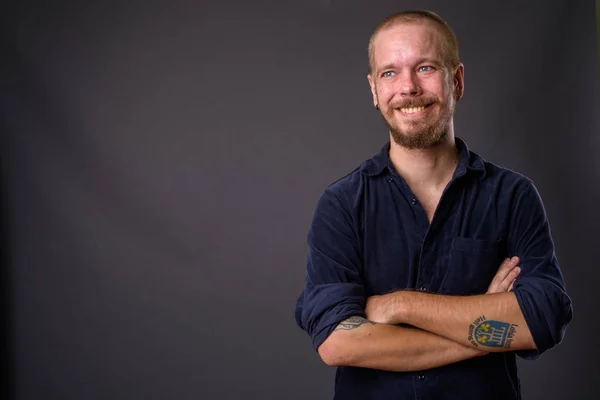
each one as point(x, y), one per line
point(468, 161)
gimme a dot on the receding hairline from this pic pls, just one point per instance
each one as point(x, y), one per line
point(449, 42)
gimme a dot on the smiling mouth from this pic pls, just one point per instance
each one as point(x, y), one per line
point(413, 110)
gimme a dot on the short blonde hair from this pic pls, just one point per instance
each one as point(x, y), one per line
point(449, 43)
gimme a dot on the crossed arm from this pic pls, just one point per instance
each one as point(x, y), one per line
point(448, 329)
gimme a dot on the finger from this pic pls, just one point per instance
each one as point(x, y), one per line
point(504, 277)
point(508, 282)
point(510, 287)
point(500, 273)
point(510, 278)
point(506, 267)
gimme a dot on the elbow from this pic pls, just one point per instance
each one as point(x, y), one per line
point(333, 352)
point(566, 312)
point(561, 315)
point(327, 355)
point(547, 313)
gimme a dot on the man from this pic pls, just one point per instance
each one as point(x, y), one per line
point(428, 268)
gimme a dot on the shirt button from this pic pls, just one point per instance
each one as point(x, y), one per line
point(423, 288)
point(421, 377)
point(413, 201)
point(390, 179)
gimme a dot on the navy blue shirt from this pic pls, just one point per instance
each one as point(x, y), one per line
point(370, 236)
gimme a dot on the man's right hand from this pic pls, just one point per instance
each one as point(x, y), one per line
point(505, 277)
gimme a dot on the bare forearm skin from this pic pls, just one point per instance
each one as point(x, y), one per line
point(390, 348)
point(469, 320)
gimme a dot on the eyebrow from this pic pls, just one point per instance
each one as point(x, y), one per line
point(430, 61)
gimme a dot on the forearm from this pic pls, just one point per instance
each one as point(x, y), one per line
point(491, 322)
point(360, 343)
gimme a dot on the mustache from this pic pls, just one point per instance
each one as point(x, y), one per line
point(413, 103)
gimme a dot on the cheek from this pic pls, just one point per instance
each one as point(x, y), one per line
point(385, 94)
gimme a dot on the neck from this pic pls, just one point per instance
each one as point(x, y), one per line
point(432, 167)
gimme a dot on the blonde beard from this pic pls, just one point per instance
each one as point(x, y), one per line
point(427, 137)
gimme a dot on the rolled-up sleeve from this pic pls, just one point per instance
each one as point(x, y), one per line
point(333, 289)
point(540, 288)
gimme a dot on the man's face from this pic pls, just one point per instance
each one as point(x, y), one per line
point(415, 90)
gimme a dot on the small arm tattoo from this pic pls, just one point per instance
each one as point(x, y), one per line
point(491, 333)
point(352, 323)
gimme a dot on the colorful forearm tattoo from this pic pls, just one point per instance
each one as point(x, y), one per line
point(491, 333)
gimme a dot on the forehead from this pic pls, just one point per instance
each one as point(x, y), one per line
point(406, 42)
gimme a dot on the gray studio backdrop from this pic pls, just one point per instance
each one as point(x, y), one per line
point(160, 162)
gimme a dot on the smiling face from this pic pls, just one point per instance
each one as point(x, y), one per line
point(415, 90)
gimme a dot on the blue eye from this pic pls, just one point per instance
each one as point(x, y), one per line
point(387, 74)
point(425, 68)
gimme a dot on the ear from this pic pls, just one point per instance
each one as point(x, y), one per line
point(373, 90)
point(459, 81)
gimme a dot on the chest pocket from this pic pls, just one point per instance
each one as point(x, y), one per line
point(472, 265)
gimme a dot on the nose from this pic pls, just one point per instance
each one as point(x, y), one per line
point(409, 84)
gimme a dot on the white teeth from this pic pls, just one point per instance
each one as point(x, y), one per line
point(412, 110)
